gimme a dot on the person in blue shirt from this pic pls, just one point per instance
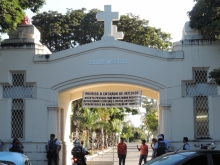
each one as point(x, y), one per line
point(16, 146)
point(167, 142)
point(1, 144)
point(186, 146)
point(160, 147)
point(52, 148)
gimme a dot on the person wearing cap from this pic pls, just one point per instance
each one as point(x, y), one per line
point(186, 146)
point(143, 152)
point(160, 147)
point(122, 151)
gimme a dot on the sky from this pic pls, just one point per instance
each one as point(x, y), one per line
point(169, 15)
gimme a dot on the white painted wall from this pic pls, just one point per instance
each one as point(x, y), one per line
point(61, 78)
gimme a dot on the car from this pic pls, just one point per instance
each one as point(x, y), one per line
point(14, 158)
point(188, 157)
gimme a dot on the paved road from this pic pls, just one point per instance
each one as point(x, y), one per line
point(107, 156)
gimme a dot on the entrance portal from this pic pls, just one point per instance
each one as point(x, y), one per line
point(69, 95)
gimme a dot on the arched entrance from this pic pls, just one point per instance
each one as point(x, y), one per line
point(72, 91)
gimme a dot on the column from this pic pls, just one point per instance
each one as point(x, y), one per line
point(165, 125)
point(52, 120)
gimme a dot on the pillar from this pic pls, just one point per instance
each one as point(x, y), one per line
point(53, 120)
point(165, 125)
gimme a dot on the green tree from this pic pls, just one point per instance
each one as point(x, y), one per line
point(12, 12)
point(127, 132)
point(139, 131)
point(78, 27)
point(107, 121)
point(205, 16)
point(150, 118)
point(54, 30)
point(215, 74)
point(138, 32)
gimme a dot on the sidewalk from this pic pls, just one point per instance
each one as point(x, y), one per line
point(106, 157)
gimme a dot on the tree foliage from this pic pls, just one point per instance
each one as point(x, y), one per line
point(108, 118)
point(140, 132)
point(215, 74)
point(78, 27)
point(12, 12)
point(205, 16)
point(127, 132)
point(150, 120)
point(138, 32)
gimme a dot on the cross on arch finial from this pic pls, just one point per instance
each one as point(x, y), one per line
point(108, 16)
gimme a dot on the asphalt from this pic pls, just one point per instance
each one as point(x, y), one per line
point(106, 157)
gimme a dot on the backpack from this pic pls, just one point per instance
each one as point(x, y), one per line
point(161, 149)
point(77, 151)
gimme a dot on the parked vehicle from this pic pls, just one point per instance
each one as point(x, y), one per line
point(188, 157)
point(14, 158)
point(211, 146)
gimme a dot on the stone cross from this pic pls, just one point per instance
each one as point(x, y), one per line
point(200, 89)
point(107, 16)
point(116, 34)
point(18, 89)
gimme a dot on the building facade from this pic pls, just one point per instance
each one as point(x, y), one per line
point(37, 86)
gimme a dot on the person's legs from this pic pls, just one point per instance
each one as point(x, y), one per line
point(145, 158)
point(49, 159)
point(123, 159)
point(152, 155)
point(140, 159)
point(55, 158)
point(120, 159)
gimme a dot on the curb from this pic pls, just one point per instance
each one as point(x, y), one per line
point(99, 153)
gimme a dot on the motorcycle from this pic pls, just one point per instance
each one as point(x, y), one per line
point(79, 160)
point(209, 146)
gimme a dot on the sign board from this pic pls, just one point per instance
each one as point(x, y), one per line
point(104, 62)
point(111, 99)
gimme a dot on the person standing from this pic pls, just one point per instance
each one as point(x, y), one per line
point(160, 147)
point(186, 146)
point(1, 144)
point(167, 142)
point(153, 142)
point(122, 151)
point(143, 152)
point(52, 149)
